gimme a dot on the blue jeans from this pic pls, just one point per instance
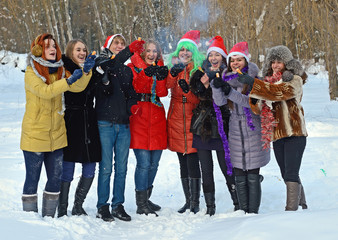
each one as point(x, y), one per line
point(146, 167)
point(53, 165)
point(114, 138)
point(88, 170)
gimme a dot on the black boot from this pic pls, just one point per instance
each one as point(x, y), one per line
point(120, 213)
point(104, 214)
point(63, 199)
point(242, 192)
point(30, 202)
point(152, 205)
point(186, 190)
point(233, 194)
point(255, 192)
point(80, 195)
point(195, 189)
point(210, 202)
point(50, 202)
point(142, 203)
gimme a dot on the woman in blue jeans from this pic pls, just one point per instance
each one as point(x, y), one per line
point(148, 122)
point(43, 135)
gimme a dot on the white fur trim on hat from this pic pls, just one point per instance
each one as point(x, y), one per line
point(217, 49)
point(111, 40)
point(237, 53)
point(187, 40)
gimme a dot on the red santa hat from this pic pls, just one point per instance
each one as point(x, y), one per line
point(239, 49)
point(217, 45)
point(110, 39)
point(192, 36)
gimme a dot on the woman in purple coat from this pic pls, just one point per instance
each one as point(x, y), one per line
point(247, 154)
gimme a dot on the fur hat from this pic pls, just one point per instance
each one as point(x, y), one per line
point(240, 49)
point(192, 36)
point(283, 54)
point(217, 45)
point(110, 39)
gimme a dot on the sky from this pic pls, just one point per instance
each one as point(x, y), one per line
point(319, 174)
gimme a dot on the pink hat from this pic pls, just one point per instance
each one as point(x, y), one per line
point(192, 36)
point(241, 49)
point(217, 45)
point(110, 39)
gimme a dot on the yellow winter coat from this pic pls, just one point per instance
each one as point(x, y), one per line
point(43, 126)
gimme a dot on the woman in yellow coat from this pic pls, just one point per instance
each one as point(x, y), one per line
point(43, 135)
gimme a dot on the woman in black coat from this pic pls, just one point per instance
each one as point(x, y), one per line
point(82, 131)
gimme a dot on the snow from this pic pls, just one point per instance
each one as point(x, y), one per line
point(319, 173)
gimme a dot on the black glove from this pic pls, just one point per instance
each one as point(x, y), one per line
point(220, 83)
point(184, 85)
point(77, 74)
point(245, 79)
point(150, 71)
point(162, 72)
point(176, 69)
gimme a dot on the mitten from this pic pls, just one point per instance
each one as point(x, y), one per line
point(137, 46)
point(162, 72)
point(245, 79)
point(77, 74)
point(176, 69)
point(150, 71)
point(89, 63)
point(219, 83)
point(184, 85)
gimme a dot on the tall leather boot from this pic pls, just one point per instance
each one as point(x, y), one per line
point(210, 202)
point(49, 203)
point(293, 190)
point(30, 202)
point(195, 189)
point(242, 192)
point(302, 200)
point(63, 199)
point(186, 190)
point(142, 203)
point(255, 192)
point(233, 194)
point(152, 205)
point(80, 195)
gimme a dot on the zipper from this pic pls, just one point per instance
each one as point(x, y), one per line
point(242, 141)
point(51, 126)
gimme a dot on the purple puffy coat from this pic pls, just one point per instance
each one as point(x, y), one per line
point(245, 144)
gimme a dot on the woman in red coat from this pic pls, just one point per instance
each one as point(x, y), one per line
point(185, 60)
point(148, 122)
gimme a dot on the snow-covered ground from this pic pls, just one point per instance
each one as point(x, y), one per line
point(319, 173)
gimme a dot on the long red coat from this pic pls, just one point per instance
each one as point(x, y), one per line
point(148, 129)
point(180, 114)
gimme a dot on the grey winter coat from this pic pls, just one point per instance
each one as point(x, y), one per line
point(245, 144)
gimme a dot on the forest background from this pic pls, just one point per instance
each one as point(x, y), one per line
point(308, 27)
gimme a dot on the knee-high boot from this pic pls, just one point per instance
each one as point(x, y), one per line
point(80, 195)
point(186, 190)
point(63, 199)
point(210, 202)
point(242, 192)
point(195, 189)
point(255, 192)
point(233, 194)
point(142, 203)
point(293, 190)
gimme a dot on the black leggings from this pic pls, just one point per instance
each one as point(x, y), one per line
point(289, 152)
point(207, 167)
point(189, 165)
point(241, 172)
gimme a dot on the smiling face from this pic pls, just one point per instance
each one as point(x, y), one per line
point(50, 49)
point(151, 54)
point(79, 53)
point(215, 59)
point(117, 45)
point(237, 61)
point(277, 66)
point(185, 56)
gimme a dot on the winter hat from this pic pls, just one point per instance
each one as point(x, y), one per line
point(241, 49)
point(192, 36)
point(110, 39)
point(217, 45)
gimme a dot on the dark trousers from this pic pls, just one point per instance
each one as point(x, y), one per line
point(240, 172)
point(189, 165)
point(289, 152)
point(88, 170)
point(53, 165)
point(207, 167)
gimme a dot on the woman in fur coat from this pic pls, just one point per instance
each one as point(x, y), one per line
point(279, 97)
point(204, 124)
point(246, 150)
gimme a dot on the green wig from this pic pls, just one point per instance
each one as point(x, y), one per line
point(197, 57)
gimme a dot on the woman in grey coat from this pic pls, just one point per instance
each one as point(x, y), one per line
point(247, 153)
